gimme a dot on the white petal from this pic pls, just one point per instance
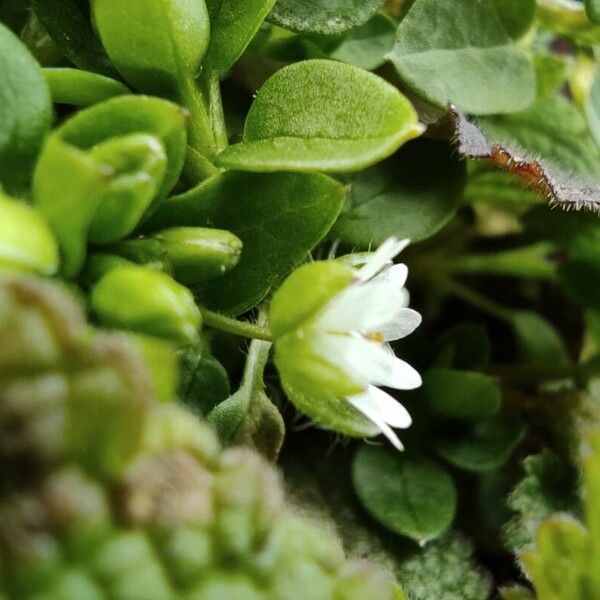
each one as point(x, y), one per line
point(363, 404)
point(382, 257)
point(392, 412)
point(366, 361)
point(361, 307)
point(396, 275)
point(405, 322)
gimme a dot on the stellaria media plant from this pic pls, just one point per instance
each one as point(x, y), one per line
point(356, 239)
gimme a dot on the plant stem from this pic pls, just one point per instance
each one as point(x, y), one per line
point(241, 328)
point(200, 136)
point(470, 296)
point(217, 114)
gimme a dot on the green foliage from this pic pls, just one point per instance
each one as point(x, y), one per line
point(410, 495)
point(266, 223)
point(461, 394)
point(342, 119)
point(548, 486)
point(26, 111)
point(398, 197)
point(68, 23)
point(265, 189)
point(323, 17)
point(459, 51)
point(157, 45)
point(81, 88)
point(233, 25)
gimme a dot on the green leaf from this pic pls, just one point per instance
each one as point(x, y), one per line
point(461, 394)
point(341, 118)
point(516, 15)
point(367, 46)
point(553, 128)
point(157, 45)
point(399, 197)
point(538, 342)
point(263, 210)
point(25, 111)
point(592, 9)
point(68, 24)
point(549, 486)
point(459, 51)
point(233, 25)
point(592, 107)
point(323, 17)
point(482, 447)
point(203, 382)
point(410, 495)
point(81, 88)
point(249, 417)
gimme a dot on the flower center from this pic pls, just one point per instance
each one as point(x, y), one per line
point(375, 336)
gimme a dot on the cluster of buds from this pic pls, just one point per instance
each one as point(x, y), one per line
point(108, 492)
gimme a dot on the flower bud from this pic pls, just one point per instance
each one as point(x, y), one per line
point(26, 242)
point(146, 301)
point(192, 255)
point(139, 164)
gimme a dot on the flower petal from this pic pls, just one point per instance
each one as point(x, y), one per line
point(392, 411)
point(363, 307)
point(363, 404)
point(367, 362)
point(405, 322)
point(396, 275)
point(382, 257)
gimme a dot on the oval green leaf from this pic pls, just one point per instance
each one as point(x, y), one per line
point(484, 447)
point(68, 24)
point(25, 110)
point(323, 17)
point(233, 25)
point(459, 51)
point(81, 88)
point(322, 115)
point(410, 495)
point(156, 45)
point(400, 198)
point(461, 394)
point(263, 210)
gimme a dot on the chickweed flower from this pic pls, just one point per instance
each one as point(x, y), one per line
point(332, 323)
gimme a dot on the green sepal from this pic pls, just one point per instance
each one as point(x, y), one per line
point(315, 284)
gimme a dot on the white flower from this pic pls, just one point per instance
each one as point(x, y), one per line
point(352, 332)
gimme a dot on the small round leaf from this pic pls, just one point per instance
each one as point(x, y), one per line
point(410, 495)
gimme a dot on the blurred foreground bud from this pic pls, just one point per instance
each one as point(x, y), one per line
point(147, 301)
point(128, 498)
point(192, 254)
point(26, 242)
point(331, 323)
